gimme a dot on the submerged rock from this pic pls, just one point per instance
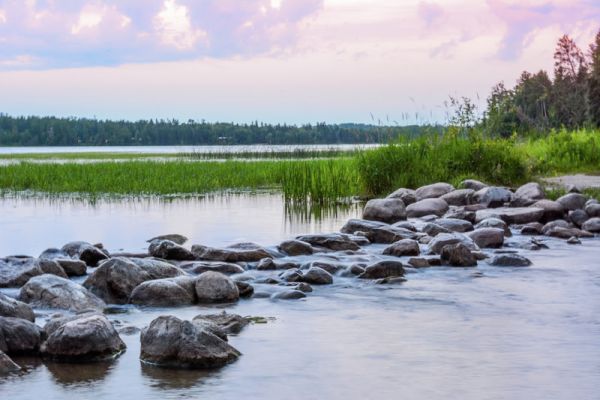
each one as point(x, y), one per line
point(290, 294)
point(509, 260)
point(19, 336)
point(383, 269)
point(405, 247)
point(458, 255)
point(7, 365)
point(317, 276)
point(50, 291)
point(10, 307)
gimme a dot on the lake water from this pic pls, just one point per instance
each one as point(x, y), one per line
point(446, 333)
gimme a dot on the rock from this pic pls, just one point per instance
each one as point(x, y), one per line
point(172, 237)
point(290, 294)
point(171, 342)
point(214, 287)
point(578, 217)
point(592, 225)
point(157, 269)
point(527, 194)
point(291, 275)
point(84, 337)
point(333, 241)
point(434, 190)
point(85, 252)
point(377, 232)
point(356, 269)
point(517, 215)
point(7, 365)
point(559, 223)
point(433, 229)
point(16, 271)
point(295, 248)
point(405, 225)
point(458, 255)
point(573, 240)
point(593, 210)
point(454, 225)
point(161, 293)
point(444, 239)
point(405, 247)
point(245, 289)
point(383, 269)
point(430, 206)
point(198, 267)
point(50, 291)
point(240, 252)
point(385, 210)
point(317, 276)
point(19, 336)
point(392, 280)
point(228, 323)
point(532, 228)
point(509, 260)
point(10, 307)
point(493, 196)
point(552, 210)
point(303, 287)
point(114, 280)
point(418, 262)
point(168, 250)
point(494, 223)
point(462, 214)
point(328, 266)
point(572, 201)
point(460, 197)
point(566, 233)
point(487, 237)
point(269, 264)
point(408, 196)
point(472, 184)
point(70, 265)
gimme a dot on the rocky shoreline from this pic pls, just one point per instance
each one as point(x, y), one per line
point(435, 225)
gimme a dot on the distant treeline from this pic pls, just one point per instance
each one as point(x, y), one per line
point(52, 131)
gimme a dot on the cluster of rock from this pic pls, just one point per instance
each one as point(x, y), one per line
point(410, 229)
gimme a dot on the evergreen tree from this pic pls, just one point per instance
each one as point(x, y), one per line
point(594, 82)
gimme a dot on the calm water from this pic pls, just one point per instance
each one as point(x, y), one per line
point(530, 333)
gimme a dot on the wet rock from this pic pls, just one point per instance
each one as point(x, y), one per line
point(460, 197)
point(161, 293)
point(291, 294)
point(303, 287)
point(444, 239)
point(392, 280)
point(509, 260)
point(458, 255)
point(566, 233)
point(495, 223)
point(552, 210)
point(472, 184)
point(333, 241)
point(168, 250)
point(593, 210)
point(269, 264)
point(383, 269)
point(317, 276)
point(19, 336)
point(385, 210)
point(405, 247)
point(405, 225)
point(171, 342)
point(84, 337)
point(516, 215)
point(527, 194)
point(572, 201)
point(129, 330)
point(228, 323)
point(158, 269)
point(85, 252)
point(573, 240)
point(559, 223)
point(291, 275)
point(487, 237)
point(114, 280)
point(532, 228)
point(493, 196)
point(296, 248)
point(356, 269)
point(7, 365)
point(592, 225)
point(70, 265)
point(214, 287)
point(578, 217)
point(240, 252)
point(173, 237)
point(10, 307)
point(418, 262)
point(462, 214)
point(429, 206)
point(16, 271)
point(50, 291)
point(198, 267)
point(434, 190)
point(432, 229)
point(408, 196)
point(245, 289)
point(378, 232)
point(455, 225)
point(330, 267)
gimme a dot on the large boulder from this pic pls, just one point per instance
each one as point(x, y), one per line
point(157, 269)
point(434, 190)
point(512, 215)
point(429, 206)
point(199, 267)
point(493, 196)
point(509, 260)
point(405, 247)
point(592, 225)
point(50, 291)
point(85, 252)
point(527, 194)
point(19, 336)
point(383, 269)
point(443, 239)
point(71, 265)
point(494, 223)
point(578, 217)
point(472, 184)
point(295, 247)
point(593, 210)
point(83, 337)
point(214, 287)
point(552, 210)
point(317, 276)
point(169, 250)
point(567, 233)
point(332, 241)
point(240, 252)
point(378, 232)
point(559, 223)
point(16, 271)
point(385, 210)
point(487, 237)
point(10, 307)
point(171, 342)
point(162, 293)
point(407, 196)
point(572, 201)
point(7, 365)
point(454, 225)
point(460, 197)
point(458, 255)
point(114, 280)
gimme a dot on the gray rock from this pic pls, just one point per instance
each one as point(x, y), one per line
point(566, 233)
point(290, 294)
point(487, 237)
point(516, 215)
point(509, 260)
point(10, 307)
point(493, 196)
point(161, 293)
point(245, 289)
point(527, 194)
point(19, 336)
point(408, 196)
point(458, 255)
point(433, 229)
point(291, 275)
point(333, 241)
point(383, 269)
point(592, 225)
point(430, 206)
point(593, 210)
point(418, 262)
point(472, 184)
point(7, 366)
point(559, 223)
point(317, 276)
point(573, 240)
point(572, 201)
point(16, 271)
point(198, 267)
point(552, 210)
point(460, 197)
point(434, 190)
point(296, 248)
point(84, 337)
point(228, 323)
point(455, 225)
point(114, 280)
point(157, 269)
point(173, 343)
point(532, 228)
point(70, 265)
point(463, 214)
point(385, 210)
point(173, 237)
point(85, 252)
point(240, 252)
point(50, 291)
point(443, 239)
point(269, 264)
point(405, 247)
point(168, 250)
point(578, 217)
point(328, 266)
point(214, 287)
point(494, 223)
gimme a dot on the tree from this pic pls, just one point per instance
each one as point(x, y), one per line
point(532, 99)
point(594, 82)
point(501, 118)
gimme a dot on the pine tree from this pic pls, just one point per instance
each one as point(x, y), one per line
point(594, 82)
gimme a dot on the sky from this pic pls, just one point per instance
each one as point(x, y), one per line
point(275, 61)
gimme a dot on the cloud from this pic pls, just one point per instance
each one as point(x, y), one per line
point(73, 33)
point(430, 12)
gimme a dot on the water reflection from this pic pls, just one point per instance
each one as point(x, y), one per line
point(73, 375)
point(169, 379)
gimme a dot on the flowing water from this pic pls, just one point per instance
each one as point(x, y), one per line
point(446, 333)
